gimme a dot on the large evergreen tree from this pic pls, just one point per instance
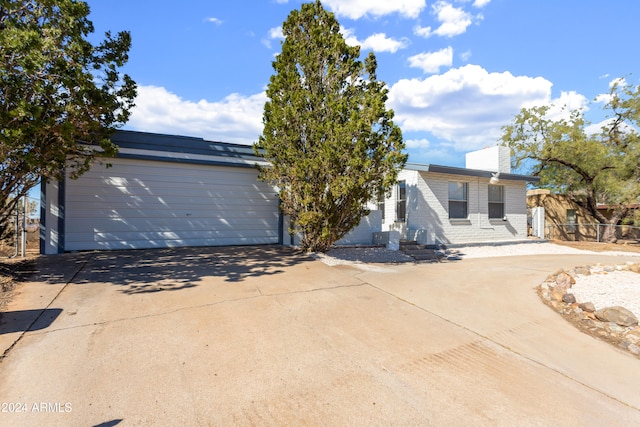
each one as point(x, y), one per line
point(591, 168)
point(330, 141)
point(60, 96)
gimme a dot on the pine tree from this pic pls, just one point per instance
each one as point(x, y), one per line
point(330, 141)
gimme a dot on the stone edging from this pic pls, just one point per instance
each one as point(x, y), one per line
point(554, 293)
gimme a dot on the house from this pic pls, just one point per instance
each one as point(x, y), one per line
point(563, 219)
point(444, 206)
point(170, 191)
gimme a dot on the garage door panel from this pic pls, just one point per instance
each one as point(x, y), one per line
point(183, 235)
point(139, 204)
point(129, 186)
point(195, 196)
point(206, 211)
point(172, 224)
point(169, 243)
point(176, 176)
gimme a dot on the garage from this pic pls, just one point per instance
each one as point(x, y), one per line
point(163, 191)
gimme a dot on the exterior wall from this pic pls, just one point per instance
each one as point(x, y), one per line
point(555, 209)
point(390, 217)
point(363, 233)
point(52, 218)
point(360, 235)
point(428, 211)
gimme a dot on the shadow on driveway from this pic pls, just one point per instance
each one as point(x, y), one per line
point(158, 270)
point(27, 320)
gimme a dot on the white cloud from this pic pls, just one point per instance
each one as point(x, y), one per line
point(378, 42)
point(467, 105)
point(214, 20)
point(431, 62)
point(422, 31)
point(481, 3)
point(618, 81)
point(419, 144)
point(568, 101)
point(453, 21)
point(274, 33)
point(465, 56)
point(235, 118)
point(356, 9)
point(603, 98)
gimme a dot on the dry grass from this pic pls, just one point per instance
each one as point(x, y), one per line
point(622, 246)
point(12, 271)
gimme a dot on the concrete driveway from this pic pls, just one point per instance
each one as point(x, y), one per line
point(261, 336)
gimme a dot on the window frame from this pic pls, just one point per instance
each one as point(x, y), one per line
point(380, 203)
point(401, 202)
point(495, 203)
point(464, 201)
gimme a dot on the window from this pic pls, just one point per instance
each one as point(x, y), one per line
point(496, 201)
point(401, 205)
point(458, 200)
point(381, 197)
point(572, 220)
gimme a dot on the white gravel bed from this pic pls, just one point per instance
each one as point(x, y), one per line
point(608, 289)
point(519, 249)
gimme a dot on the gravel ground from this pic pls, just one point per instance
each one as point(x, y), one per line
point(380, 255)
point(603, 289)
point(608, 289)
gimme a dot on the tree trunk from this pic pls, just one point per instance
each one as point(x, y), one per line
point(609, 233)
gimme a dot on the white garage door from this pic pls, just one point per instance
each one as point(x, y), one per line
point(146, 204)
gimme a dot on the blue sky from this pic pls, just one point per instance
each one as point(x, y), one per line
point(457, 70)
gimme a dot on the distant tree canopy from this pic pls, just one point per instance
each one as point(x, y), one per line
point(60, 96)
point(330, 141)
point(603, 167)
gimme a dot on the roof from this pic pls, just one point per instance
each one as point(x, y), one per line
point(450, 170)
point(182, 149)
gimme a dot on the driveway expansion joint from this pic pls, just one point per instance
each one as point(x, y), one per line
point(42, 311)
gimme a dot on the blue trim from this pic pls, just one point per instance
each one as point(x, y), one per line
point(61, 214)
point(43, 215)
point(184, 161)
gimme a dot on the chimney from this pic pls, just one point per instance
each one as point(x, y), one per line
point(493, 159)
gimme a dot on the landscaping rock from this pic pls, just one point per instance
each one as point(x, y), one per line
point(616, 325)
point(633, 337)
point(585, 271)
point(614, 328)
point(617, 314)
point(565, 280)
point(588, 307)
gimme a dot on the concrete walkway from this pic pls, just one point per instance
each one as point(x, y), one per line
point(261, 336)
